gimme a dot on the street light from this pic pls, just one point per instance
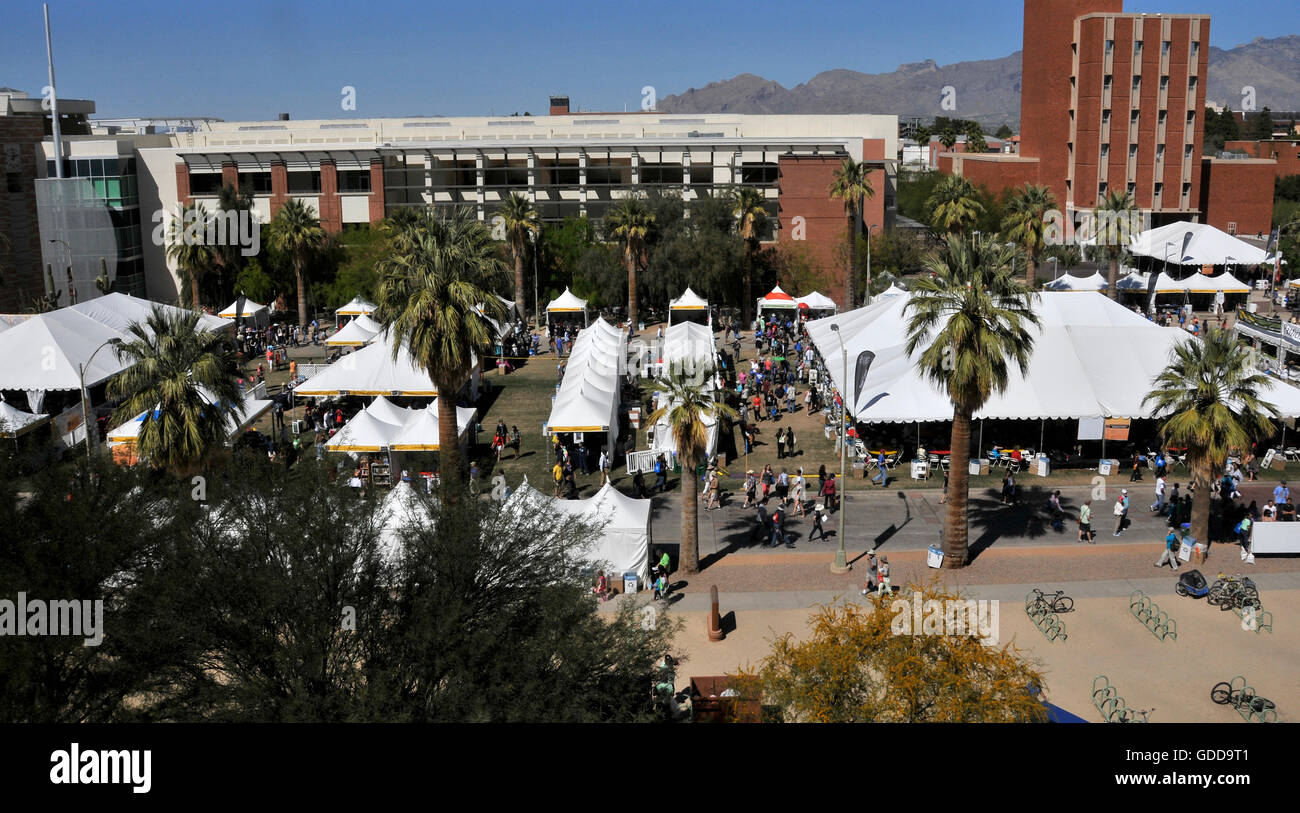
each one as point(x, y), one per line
point(841, 558)
point(532, 237)
point(85, 397)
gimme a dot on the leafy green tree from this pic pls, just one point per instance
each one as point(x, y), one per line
point(859, 666)
point(970, 323)
point(1025, 224)
point(975, 141)
point(522, 224)
point(954, 205)
point(852, 184)
point(430, 290)
point(1208, 399)
point(296, 233)
point(1004, 132)
point(186, 247)
point(1261, 125)
point(631, 224)
point(914, 190)
point(750, 208)
point(184, 380)
point(1115, 214)
point(948, 138)
point(687, 396)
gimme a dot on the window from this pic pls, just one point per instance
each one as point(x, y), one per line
point(1101, 189)
point(1137, 85)
point(1105, 151)
point(354, 180)
point(1160, 152)
point(1137, 50)
point(1187, 152)
point(259, 183)
point(1196, 49)
point(1191, 84)
point(1106, 82)
point(304, 182)
point(205, 183)
point(1133, 117)
point(758, 173)
point(1132, 189)
point(1110, 47)
point(1164, 48)
point(1163, 115)
point(1160, 188)
point(1132, 151)
point(1164, 83)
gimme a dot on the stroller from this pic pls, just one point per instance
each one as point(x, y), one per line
point(1192, 584)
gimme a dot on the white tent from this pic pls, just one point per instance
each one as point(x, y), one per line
point(818, 302)
point(892, 291)
point(15, 422)
point(357, 307)
point(361, 330)
point(45, 352)
point(388, 412)
point(689, 302)
point(1225, 282)
point(567, 303)
point(1205, 246)
point(364, 433)
point(589, 396)
point(243, 416)
point(371, 371)
point(692, 345)
point(777, 299)
point(1092, 358)
point(118, 311)
point(623, 543)
point(251, 309)
point(402, 507)
point(1066, 282)
point(420, 433)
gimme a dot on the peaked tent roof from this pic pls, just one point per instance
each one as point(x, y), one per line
point(118, 311)
point(1207, 246)
point(689, 301)
point(401, 508)
point(356, 307)
point(892, 291)
point(250, 308)
point(817, 302)
point(14, 421)
point(43, 353)
point(776, 298)
point(567, 303)
point(388, 412)
point(624, 521)
point(364, 433)
point(1225, 282)
point(420, 433)
point(1068, 282)
point(1092, 357)
point(361, 330)
point(371, 371)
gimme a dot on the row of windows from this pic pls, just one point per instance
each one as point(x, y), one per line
point(1165, 47)
point(93, 167)
point(299, 183)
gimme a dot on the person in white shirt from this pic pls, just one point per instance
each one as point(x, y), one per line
point(1159, 505)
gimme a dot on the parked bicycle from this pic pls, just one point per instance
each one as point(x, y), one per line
point(1125, 714)
point(1243, 700)
point(1230, 592)
point(1056, 602)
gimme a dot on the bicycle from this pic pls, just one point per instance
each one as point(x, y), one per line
point(1056, 602)
point(1240, 699)
point(1233, 591)
point(1129, 715)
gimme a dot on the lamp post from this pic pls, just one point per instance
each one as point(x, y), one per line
point(841, 558)
point(1056, 268)
point(85, 397)
point(532, 236)
point(867, 300)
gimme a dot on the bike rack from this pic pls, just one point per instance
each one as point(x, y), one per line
point(1248, 714)
point(1156, 620)
point(1046, 620)
point(1107, 700)
point(1263, 620)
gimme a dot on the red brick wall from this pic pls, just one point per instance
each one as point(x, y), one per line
point(331, 208)
point(1286, 153)
point(376, 190)
point(996, 176)
point(229, 174)
point(24, 277)
point(805, 192)
point(279, 186)
point(1238, 191)
point(183, 184)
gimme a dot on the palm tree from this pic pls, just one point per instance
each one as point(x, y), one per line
point(972, 319)
point(948, 138)
point(521, 222)
point(434, 291)
point(230, 256)
point(184, 380)
point(954, 204)
point(852, 184)
point(975, 142)
point(1025, 223)
point(688, 401)
point(1114, 213)
point(296, 231)
point(1209, 397)
point(630, 223)
point(186, 247)
point(750, 208)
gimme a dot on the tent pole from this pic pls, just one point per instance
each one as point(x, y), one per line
point(1042, 429)
point(980, 450)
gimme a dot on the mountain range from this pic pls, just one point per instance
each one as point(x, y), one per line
point(987, 91)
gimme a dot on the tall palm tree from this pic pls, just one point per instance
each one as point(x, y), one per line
point(1115, 209)
point(973, 320)
point(186, 247)
point(948, 138)
point(230, 256)
point(852, 184)
point(1209, 398)
point(184, 380)
point(975, 142)
point(750, 208)
point(435, 292)
point(954, 205)
point(1025, 224)
point(296, 231)
point(521, 222)
point(687, 396)
point(630, 223)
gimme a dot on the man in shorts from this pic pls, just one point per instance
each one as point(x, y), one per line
point(1085, 521)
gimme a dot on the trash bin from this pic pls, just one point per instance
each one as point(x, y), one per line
point(934, 556)
point(630, 581)
point(979, 466)
point(1107, 467)
point(1042, 466)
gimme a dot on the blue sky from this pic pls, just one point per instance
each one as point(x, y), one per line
point(252, 60)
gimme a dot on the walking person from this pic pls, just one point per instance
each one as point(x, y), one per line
point(885, 589)
point(1121, 511)
point(798, 491)
point(1085, 522)
point(1170, 552)
point(872, 577)
point(661, 475)
point(789, 442)
point(604, 466)
point(819, 524)
point(782, 486)
point(710, 495)
point(1158, 506)
point(778, 528)
point(515, 440)
point(751, 489)
point(768, 480)
point(828, 493)
point(882, 474)
point(780, 443)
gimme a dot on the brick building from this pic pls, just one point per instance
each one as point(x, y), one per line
point(1286, 152)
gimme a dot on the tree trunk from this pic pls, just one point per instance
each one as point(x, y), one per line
point(194, 288)
point(850, 278)
point(688, 557)
point(955, 529)
point(749, 285)
point(631, 288)
point(302, 294)
point(519, 282)
point(1031, 271)
point(1200, 519)
point(1114, 277)
point(449, 458)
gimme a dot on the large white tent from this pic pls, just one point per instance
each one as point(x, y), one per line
point(357, 307)
point(777, 299)
point(250, 310)
point(688, 303)
point(371, 371)
point(623, 543)
point(46, 351)
point(568, 303)
point(1225, 282)
point(1092, 358)
point(361, 330)
point(817, 302)
point(1067, 282)
point(692, 345)
point(249, 410)
point(1187, 243)
point(892, 291)
point(420, 433)
point(402, 507)
point(118, 311)
point(15, 422)
point(589, 396)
